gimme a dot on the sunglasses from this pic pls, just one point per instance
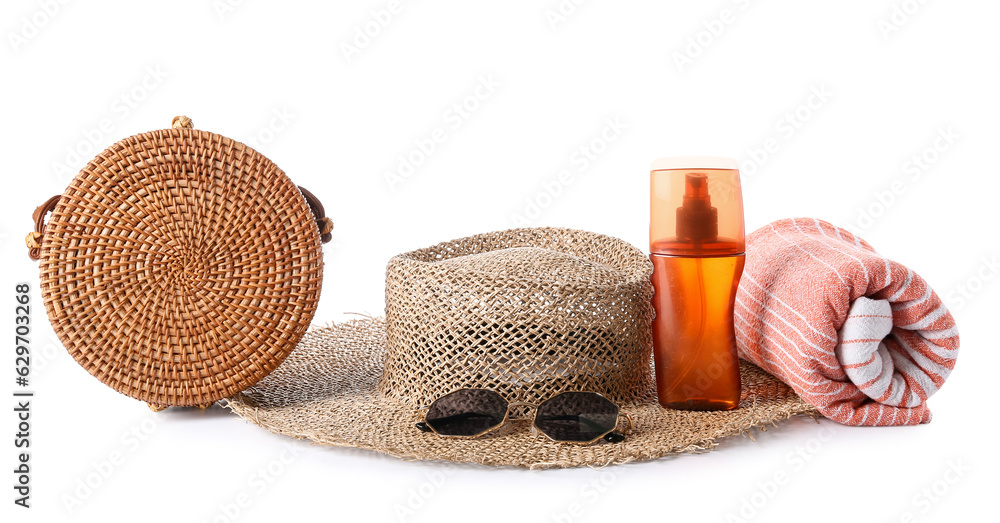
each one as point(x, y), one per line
point(568, 417)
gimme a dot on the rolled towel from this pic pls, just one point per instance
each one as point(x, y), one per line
point(859, 336)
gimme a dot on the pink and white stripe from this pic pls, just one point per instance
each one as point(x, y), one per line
point(861, 337)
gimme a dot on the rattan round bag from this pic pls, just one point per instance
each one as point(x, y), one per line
point(180, 267)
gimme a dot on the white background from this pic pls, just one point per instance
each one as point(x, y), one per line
point(678, 79)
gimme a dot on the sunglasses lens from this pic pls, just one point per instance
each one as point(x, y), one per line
point(467, 412)
point(576, 417)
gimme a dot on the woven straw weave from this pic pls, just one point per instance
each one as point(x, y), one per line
point(180, 267)
point(526, 312)
point(326, 392)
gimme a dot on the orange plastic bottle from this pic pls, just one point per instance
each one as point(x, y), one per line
point(697, 247)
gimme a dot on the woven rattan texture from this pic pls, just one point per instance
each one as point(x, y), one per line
point(526, 312)
point(326, 391)
point(180, 267)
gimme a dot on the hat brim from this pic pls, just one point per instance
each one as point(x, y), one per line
point(326, 391)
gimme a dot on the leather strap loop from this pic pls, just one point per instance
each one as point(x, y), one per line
point(34, 238)
point(325, 224)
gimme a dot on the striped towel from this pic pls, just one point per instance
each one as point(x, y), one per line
point(861, 337)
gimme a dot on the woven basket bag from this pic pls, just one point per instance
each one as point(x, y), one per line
point(180, 267)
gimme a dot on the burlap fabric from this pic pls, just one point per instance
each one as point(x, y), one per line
point(526, 312)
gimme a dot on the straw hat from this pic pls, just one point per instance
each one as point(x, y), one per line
point(528, 313)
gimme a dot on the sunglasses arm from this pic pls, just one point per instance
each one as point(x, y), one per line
point(422, 425)
point(631, 425)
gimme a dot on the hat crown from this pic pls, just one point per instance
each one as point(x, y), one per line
point(536, 264)
point(526, 312)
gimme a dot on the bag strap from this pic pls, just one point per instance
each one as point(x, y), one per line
point(325, 224)
point(34, 238)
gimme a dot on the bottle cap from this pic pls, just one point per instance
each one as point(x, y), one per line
point(696, 207)
point(694, 162)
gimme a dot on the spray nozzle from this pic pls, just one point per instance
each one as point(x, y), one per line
point(697, 220)
point(696, 186)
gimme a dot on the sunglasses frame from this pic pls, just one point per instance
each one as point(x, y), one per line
point(533, 419)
